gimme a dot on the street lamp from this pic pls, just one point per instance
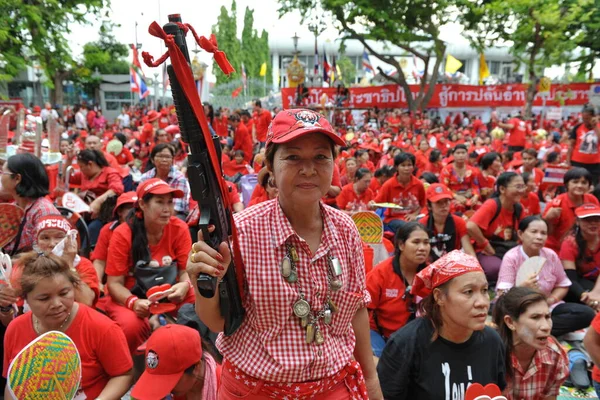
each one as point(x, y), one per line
point(316, 28)
point(38, 73)
point(96, 76)
point(295, 39)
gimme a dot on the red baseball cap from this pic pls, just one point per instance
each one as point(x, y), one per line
point(157, 186)
point(169, 352)
point(152, 115)
point(291, 124)
point(126, 198)
point(587, 210)
point(437, 191)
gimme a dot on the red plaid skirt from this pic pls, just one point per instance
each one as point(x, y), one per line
point(347, 384)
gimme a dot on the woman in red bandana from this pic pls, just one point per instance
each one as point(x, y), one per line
point(438, 355)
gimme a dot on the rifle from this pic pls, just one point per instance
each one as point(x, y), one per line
point(206, 190)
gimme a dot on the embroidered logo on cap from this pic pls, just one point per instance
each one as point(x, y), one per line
point(439, 189)
point(307, 119)
point(152, 360)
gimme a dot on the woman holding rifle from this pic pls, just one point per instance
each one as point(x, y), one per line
point(306, 328)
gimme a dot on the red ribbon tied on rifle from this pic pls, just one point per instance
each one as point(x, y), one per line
point(209, 45)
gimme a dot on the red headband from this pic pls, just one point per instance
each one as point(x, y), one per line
point(448, 267)
point(53, 222)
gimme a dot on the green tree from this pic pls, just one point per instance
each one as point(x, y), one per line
point(255, 52)
point(226, 32)
point(589, 24)
point(348, 70)
point(34, 30)
point(540, 32)
point(412, 25)
point(266, 57)
point(106, 55)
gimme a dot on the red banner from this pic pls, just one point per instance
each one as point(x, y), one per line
point(392, 96)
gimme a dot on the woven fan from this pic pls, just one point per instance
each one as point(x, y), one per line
point(369, 226)
point(49, 368)
point(10, 219)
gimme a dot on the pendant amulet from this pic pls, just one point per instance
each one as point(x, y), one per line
point(319, 339)
point(286, 267)
point(335, 285)
point(294, 254)
point(333, 307)
point(327, 317)
point(310, 333)
point(293, 278)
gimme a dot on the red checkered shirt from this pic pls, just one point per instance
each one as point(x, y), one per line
point(547, 371)
point(36, 210)
point(176, 180)
point(270, 344)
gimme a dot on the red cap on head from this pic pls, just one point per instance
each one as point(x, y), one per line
point(157, 186)
point(437, 191)
point(448, 267)
point(53, 222)
point(169, 352)
point(291, 124)
point(587, 210)
point(125, 198)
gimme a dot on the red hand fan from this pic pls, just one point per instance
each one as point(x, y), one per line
point(476, 391)
point(10, 219)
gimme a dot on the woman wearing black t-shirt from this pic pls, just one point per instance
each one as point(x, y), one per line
point(438, 355)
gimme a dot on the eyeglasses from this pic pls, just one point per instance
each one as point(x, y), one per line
point(519, 187)
point(163, 157)
point(11, 174)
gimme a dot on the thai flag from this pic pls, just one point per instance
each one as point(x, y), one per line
point(326, 68)
point(316, 58)
point(138, 85)
point(554, 174)
point(367, 63)
point(136, 76)
point(417, 74)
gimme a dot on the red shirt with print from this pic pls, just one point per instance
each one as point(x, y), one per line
point(410, 197)
point(450, 178)
point(174, 246)
point(460, 227)
point(566, 220)
point(348, 199)
point(589, 268)
point(388, 311)
point(518, 134)
point(585, 149)
point(503, 226)
point(100, 342)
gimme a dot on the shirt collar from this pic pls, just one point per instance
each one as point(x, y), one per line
point(281, 229)
point(543, 356)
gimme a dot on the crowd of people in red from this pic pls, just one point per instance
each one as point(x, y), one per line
point(502, 191)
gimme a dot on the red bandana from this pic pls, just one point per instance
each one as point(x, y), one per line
point(448, 267)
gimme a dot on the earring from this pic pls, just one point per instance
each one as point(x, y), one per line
point(271, 182)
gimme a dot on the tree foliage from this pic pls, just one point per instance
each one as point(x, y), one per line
point(252, 50)
point(226, 32)
point(412, 25)
point(348, 70)
point(106, 55)
point(541, 33)
point(34, 30)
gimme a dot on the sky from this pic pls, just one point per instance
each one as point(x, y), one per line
point(202, 15)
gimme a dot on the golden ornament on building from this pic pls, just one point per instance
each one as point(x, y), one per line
point(295, 72)
point(198, 69)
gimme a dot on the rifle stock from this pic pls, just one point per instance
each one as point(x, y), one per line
point(204, 184)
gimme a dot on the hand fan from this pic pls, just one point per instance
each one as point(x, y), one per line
point(476, 391)
point(74, 203)
point(531, 266)
point(49, 368)
point(158, 293)
point(388, 205)
point(369, 226)
point(10, 219)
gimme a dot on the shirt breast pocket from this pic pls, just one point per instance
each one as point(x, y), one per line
point(347, 303)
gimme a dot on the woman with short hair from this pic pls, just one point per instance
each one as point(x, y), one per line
point(439, 354)
point(25, 179)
